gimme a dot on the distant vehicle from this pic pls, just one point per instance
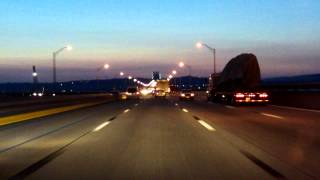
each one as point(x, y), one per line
point(162, 88)
point(133, 93)
point(118, 95)
point(186, 95)
point(238, 83)
point(160, 93)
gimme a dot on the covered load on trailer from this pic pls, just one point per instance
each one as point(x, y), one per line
point(241, 72)
point(238, 82)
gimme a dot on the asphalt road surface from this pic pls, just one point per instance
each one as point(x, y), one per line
point(164, 139)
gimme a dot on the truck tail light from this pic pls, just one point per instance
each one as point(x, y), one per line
point(263, 95)
point(239, 95)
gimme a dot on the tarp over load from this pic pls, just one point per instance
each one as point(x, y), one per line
point(241, 72)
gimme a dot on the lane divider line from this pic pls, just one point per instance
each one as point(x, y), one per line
point(272, 115)
point(185, 110)
point(263, 165)
point(230, 107)
point(127, 110)
point(101, 126)
point(206, 125)
point(42, 113)
point(42, 162)
point(295, 108)
point(112, 118)
point(196, 117)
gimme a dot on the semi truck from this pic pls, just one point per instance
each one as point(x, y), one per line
point(162, 88)
point(238, 83)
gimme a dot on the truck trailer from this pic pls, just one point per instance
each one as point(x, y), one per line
point(238, 83)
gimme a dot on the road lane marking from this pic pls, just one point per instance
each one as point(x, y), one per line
point(32, 115)
point(101, 126)
point(42, 162)
point(196, 117)
point(206, 125)
point(263, 165)
point(298, 109)
point(127, 110)
point(185, 110)
point(272, 115)
point(230, 107)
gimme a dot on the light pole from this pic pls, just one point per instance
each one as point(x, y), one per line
point(182, 64)
point(201, 45)
point(105, 66)
point(54, 56)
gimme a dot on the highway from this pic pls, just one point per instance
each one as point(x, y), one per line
point(163, 139)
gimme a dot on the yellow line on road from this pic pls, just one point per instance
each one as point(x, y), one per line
point(42, 113)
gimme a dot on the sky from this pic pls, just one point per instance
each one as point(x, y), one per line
point(139, 37)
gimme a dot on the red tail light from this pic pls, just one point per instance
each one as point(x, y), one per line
point(239, 95)
point(263, 95)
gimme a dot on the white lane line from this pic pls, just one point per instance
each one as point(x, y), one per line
point(272, 115)
point(101, 126)
point(298, 109)
point(206, 125)
point(230, 107)
point(127, 110)
point(184, 110)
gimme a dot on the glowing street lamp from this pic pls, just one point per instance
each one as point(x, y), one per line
point(174, 72)
point(106, 66)
point(170, 76)
point(34, 74)
point(181, 64)
point(213, 50)
point(54, 56)
point(135, 80)
point(130, 77)
point(121, 73)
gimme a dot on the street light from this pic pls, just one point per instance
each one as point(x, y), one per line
point(201, 45)
point(34, 74)
point(106, 66)
point(174, 72)
point(130, 77)
point(54, 56)
point(170, 76)
point(182, 64)
point(121, 73)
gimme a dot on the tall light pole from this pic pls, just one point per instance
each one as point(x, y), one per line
point(213, 50)
point(54, 56)
point(182, 64)
point(105, 66)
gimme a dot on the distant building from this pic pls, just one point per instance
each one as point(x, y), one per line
point(156, 75)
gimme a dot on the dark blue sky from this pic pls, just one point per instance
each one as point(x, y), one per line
point(141, 36)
